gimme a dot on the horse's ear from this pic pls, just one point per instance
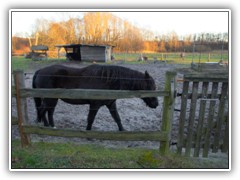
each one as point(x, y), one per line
point(147, 76)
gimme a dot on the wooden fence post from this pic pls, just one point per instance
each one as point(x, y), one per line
point(168, 110)
point(209, 57)
point(21, 107)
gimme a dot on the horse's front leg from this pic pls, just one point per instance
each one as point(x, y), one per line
point(91, 115)
point(50, 117)
point(113, 110)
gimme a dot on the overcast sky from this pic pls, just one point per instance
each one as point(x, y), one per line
point(160, 22)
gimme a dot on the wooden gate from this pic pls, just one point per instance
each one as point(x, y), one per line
point(203, 122)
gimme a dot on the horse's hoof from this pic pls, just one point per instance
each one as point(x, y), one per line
point(37, 121)
point(122, 129)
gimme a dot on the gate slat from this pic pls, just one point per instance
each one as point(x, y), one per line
point(191, 118)
point(182, 117)
point(210, 119)
point(220, 116)
point(201, 119)
point(226, 136)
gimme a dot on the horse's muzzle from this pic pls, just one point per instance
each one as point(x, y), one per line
point(151, 102)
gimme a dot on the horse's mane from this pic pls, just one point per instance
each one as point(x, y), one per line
point(122, 77)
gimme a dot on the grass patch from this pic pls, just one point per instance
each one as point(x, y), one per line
point(20, 62)
point(174, 57)
point(43, 155)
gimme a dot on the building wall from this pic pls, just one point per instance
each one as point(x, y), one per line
point(108, 53)
point(91, 53)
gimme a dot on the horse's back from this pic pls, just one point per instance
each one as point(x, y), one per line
point(60, 76)
point(91, 77)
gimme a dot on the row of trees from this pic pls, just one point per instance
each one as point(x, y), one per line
point(105, 28)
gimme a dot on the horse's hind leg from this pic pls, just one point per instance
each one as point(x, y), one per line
point(42, 114)
point(51, 107)
point(47, 105)
point(91, 115)
point(113, 110)
point(38, 103)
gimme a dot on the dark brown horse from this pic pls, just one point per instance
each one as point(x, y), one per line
point(91, 77)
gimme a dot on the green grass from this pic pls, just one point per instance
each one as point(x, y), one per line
point(19, 62)
point(42, 155)
point(173, 57)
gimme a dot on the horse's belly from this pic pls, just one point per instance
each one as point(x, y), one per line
point(88, 101)
point(75, 101)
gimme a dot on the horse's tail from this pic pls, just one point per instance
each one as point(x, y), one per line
point(34, 79)
point(38, 101)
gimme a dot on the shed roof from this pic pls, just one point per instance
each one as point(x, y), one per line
point(76, 45)
point(39, 47)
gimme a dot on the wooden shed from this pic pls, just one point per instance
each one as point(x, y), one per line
point(38, 52)
point(87, 52)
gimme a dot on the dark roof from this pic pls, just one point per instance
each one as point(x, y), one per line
point(39, 47)
point(76, 45)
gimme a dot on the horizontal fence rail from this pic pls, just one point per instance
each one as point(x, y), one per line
point(108, 135)
point(206, 97)
point(98, 94)
point(206, 77)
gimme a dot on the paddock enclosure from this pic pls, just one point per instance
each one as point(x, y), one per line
point(192, 112)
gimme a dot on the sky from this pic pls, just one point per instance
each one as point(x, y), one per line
point(182, 23)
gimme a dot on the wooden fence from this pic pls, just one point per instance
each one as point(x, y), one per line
point(202, 131)
point(163, 136)
point(198, 132)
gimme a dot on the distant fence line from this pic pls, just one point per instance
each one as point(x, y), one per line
point(176, 56)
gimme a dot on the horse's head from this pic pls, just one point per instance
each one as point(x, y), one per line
point(152, 102)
